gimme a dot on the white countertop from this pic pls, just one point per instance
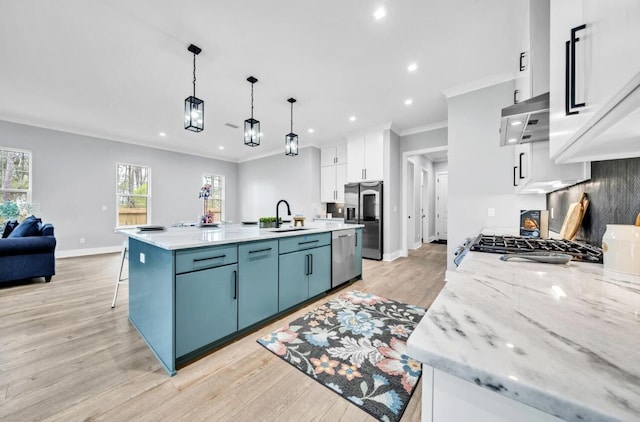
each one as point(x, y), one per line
point(506, 326)
point(192, 237)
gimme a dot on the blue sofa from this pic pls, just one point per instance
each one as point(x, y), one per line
point(30, 256)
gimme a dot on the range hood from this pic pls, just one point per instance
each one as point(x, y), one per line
point(527, 121)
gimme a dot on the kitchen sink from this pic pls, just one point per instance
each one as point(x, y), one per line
point(288, 229)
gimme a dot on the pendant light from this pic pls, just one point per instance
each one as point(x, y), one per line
point(252, 126)
point(193, 106)
point(291, 139)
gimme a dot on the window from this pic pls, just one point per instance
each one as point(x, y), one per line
point(15, 175)
point(215, 203)
point(132, 195)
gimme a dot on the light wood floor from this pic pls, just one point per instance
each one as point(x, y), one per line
point(65, 355)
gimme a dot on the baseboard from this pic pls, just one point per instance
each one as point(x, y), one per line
point(70, 253)
point(416, 245)
point(431, 239)
point(391, 256)
point(447, 274)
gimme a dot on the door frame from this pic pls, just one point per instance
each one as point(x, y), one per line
point(403, 205)
point(424, 204)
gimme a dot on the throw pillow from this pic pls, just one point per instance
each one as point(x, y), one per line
point(29, 227)
point(8, 228)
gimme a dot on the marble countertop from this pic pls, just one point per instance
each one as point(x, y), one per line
point(564, 339)
point(192, 237)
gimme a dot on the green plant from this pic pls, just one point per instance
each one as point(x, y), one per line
point(268, 219)
point(9, 210)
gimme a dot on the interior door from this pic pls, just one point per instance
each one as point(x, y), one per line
point(424, 203)
point(442, 200)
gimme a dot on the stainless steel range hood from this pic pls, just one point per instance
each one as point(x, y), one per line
point(527, 121)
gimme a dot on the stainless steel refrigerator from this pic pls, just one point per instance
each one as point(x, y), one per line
point(363, 205)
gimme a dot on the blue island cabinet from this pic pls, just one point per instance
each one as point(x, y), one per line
point(258, 282)
point(305, 268)
point(206, 297)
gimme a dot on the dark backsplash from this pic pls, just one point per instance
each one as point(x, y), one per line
point(336, 209)
point(614, 195)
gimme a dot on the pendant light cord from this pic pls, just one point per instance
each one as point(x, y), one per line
point(252, 101)
point(194, 75)
point(291, 117)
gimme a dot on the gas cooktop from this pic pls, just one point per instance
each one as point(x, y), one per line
point(515, 244)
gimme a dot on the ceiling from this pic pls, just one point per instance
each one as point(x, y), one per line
point(120, 69)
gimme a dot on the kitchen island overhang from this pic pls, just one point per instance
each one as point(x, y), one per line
point(193, 289)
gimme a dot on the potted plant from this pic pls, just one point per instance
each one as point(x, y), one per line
point(267, 222)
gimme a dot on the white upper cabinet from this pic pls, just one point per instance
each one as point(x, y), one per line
point(330, 156)
point(594, 79)
point(532, 63)
point(332, 181)
point(533, 172)
point(333, 173)
point(366, 157)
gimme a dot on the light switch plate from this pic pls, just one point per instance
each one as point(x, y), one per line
point(141, 257)
point(491, 212)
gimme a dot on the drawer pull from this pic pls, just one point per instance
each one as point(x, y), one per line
point(208, 259)
point(344, 235)
point(260, 250)
point(307, 242)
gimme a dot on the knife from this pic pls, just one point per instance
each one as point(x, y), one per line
point(546, 257)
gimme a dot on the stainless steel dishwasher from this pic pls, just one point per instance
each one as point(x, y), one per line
point(343, 256)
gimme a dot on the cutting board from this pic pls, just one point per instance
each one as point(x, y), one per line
point(573, 219)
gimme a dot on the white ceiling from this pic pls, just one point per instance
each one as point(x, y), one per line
point(120, 69)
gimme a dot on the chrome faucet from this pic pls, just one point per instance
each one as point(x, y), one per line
point(278, 206)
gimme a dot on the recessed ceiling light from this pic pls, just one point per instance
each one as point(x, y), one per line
point(380, 13)
point(310, 130)
point(408, 101)
point(352, 118)
point(162, 134)
point(515, 123)
point(512, 140)
point(412, 67)
point(221, 147)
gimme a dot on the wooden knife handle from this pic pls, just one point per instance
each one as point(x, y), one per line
point(638, 220)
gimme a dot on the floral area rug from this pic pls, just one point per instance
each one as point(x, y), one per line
point(356, 346)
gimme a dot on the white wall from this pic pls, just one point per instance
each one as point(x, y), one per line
point(423, 140)
point(264, 181)
point(441, 167)
point(480, 171)
point(75, 175)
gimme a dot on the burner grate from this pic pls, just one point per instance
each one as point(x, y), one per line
point(516, 244)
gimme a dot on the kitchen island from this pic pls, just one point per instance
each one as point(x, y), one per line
point(525, 341)
point(192, 289)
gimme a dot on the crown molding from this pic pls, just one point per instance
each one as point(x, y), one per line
point(425, 128)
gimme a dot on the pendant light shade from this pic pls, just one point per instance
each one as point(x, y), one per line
point(252, 126)
point(291, 139)
point(194, 106)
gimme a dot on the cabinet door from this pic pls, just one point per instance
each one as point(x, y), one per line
point(319, 270)
point(206, 307)
point(341, 180)
point(358, 257)
point(328, 156)
point(373, 156)
point(294, 281)
point(565, 15)
point(257, 282)
point(522, 160)
point(328, 184)
point(341, 154)
point(355, 154)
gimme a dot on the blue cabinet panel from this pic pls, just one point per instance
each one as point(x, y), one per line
point(294, 282)
point(207, 257)
point(359, 252)
point(151, 298)
point(298, 243)
point(206, 307)
point(320, 271)
point(258, 282)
